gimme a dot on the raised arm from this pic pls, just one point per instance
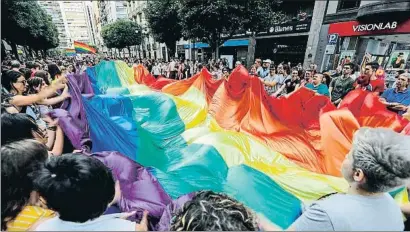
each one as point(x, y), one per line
point(279, 90)
point(52, 101)
point(59, 142)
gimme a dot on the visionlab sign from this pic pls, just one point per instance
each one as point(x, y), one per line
point(355, 28)
point(375, 26)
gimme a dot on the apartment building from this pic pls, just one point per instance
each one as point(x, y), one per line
point(106, 12)
point(149, 48)
point(54, 9)
point(91, 23)
point(75, 16)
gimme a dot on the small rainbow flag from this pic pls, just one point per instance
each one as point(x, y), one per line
point(70, 52)
point(83, 48)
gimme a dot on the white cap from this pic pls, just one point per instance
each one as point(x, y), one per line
point(267, 61)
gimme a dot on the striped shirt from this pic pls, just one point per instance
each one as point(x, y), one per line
point(28, 217)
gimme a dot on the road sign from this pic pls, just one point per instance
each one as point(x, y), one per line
point(332, 38)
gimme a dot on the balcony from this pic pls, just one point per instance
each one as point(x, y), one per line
point(384, 10)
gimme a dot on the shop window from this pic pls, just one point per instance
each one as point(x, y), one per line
point(348, 4)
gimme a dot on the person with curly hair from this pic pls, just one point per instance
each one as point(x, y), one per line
point(378, 162)
point(210, 211)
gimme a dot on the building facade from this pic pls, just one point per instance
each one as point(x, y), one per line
point(106, 12)
point(54, 9)
point(91, 24)
point(149, 48)
point(292, 39)
point(96, 18)
point(112, 11)
point(363, 31)
point(75, 16)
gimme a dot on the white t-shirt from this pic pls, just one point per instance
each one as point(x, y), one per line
point(110, 222)
point(156, 70)
point(346, 212)
point(172, 66)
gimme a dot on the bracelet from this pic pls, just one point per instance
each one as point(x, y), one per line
point(52, 128)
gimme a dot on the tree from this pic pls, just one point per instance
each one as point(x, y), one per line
point(259, 15)
point(16, 21)
point(251, 13)
point(215, 21)
point(108, 38)
point(47, 34)
point(27, 24)
point(209, 20)
point(122, 34)
point(164, 22)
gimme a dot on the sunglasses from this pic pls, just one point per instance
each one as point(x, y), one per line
point(23, 82)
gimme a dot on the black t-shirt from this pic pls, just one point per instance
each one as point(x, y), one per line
point(397, 65)
point(291, 85)
point(407, 225)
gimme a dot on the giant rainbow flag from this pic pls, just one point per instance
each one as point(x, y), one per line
point(83, 48)
point(229, 136)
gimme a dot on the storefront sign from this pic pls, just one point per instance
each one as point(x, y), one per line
point(375, 26)
point(355, 28)
point(285, 28)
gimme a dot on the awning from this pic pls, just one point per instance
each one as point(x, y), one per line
point(236, 42)
point(197, 45)
point(228, 43)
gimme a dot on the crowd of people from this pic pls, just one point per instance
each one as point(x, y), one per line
point(282, 80)
point(47, 185)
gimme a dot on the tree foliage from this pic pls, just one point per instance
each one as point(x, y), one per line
point(164, 22)
point(259, 15)
point(121, 34)
point(208, 20)
point(47, 33)
point(26, 23)
point(214, 21)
